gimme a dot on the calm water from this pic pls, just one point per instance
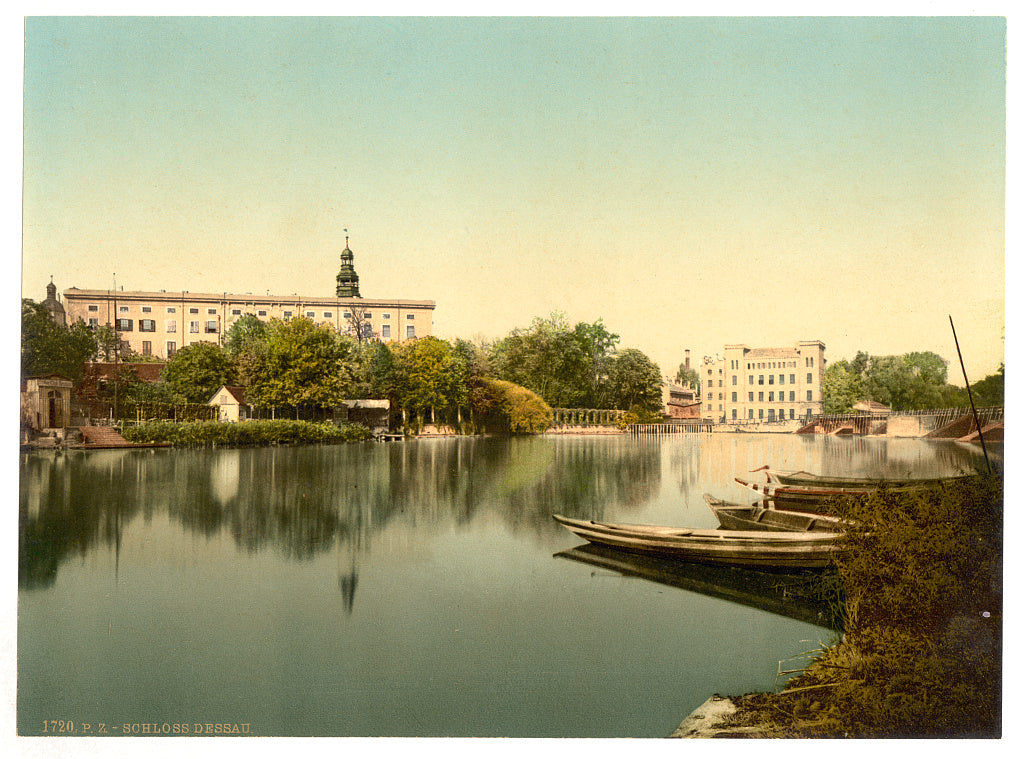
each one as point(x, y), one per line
point(405, 589)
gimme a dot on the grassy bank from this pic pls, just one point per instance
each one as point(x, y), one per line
point(922, 650)
point(249, 433)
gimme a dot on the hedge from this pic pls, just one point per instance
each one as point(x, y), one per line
point(247, 433)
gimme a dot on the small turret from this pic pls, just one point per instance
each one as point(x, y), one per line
point(348, 280)
point(54, 306)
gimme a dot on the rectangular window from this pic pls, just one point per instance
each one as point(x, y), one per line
point(734, 397)
point(413, 316)
point(734, 379)
point(782, 379)
point(172, 310)
point(792, 379)
point(385, 316)
point(311, 314)
point(792, 413)
point(410, 332)
point(760, 413)
point(734, 415)
point(147, 348)
point(172, 325)
point(211, 327)
point(367, 315)
point(809, 378)
point(193, 310)
point(385, 331)
point(750, 381)
point(771, 415)
point(771, 397)
point(750, 397)
point(760, 379)
point(123, 310)
point(94, 308)
point(193, 327)
point(211, 311)
point(760, 396)
point(146, 310)
point(792, 395)
point(124, 325)
point(287, 314)
point(328, 314)
point(171, 348)
point(808, 395)
point(236, 312)
point(94, 323)
point(750, 413)
point(261, 313)
point(147, 325)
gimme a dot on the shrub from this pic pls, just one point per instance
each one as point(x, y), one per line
point(247, 433)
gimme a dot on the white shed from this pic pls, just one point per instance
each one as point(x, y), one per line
point(231, 402)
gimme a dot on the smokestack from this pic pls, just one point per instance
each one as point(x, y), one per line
point(687, 358)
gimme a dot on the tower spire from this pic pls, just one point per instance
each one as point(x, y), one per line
point(348, 280)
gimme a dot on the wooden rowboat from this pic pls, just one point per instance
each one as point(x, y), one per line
point(755, 516)
point(798, 498)
point(808, 479)
point(746, 548)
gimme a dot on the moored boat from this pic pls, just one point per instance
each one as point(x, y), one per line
point(799, 498)
point(748, 548)
point(809, 479)
point(755, 516)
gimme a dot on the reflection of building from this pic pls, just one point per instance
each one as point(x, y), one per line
point(158, 323)
point(764, 384)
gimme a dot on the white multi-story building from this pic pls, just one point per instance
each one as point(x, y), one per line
point(764, 384)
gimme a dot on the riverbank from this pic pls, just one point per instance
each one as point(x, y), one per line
point(921, 654)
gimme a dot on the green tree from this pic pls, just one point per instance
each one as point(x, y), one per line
point(568, 367)
point(306, 364)
point(247, 343)
point(635, 381)
point(196, 371)
point(688, 376)
point(426, 375)
point(841, 387)
point(50, 348)
point(990, 391)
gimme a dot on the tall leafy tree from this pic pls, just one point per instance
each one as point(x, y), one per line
point(196, 371)
point(50, 348)
point(567, 367)
point(427, 375)
point(306, 364)
point(247, 342)
point(635, 381)
point(841, 387)
point(687, 375)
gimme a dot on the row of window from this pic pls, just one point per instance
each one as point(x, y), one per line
point(761, 399)
point(238, 312)
point(760, 379)
point(770, 414)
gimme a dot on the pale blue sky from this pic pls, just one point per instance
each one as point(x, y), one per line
point(693, 182)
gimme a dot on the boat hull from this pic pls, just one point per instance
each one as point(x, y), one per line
point(744, 548)
point(810, 480)
point(734, 516)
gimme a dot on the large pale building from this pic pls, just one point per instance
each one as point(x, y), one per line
point(159, 323)
point(764, 384)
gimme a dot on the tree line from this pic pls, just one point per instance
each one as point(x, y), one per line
point(908, 382)
point(513, 382)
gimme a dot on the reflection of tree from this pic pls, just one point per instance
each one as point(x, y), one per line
point(303, 500)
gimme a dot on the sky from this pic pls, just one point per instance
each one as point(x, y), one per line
point(692, 182)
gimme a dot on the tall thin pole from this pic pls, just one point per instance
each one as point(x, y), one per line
point(970, 396)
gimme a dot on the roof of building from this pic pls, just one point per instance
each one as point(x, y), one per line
point(236, 392)
point(240, 298)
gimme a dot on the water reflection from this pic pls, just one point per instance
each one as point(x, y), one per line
point(302, 501)
point(810, 597)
